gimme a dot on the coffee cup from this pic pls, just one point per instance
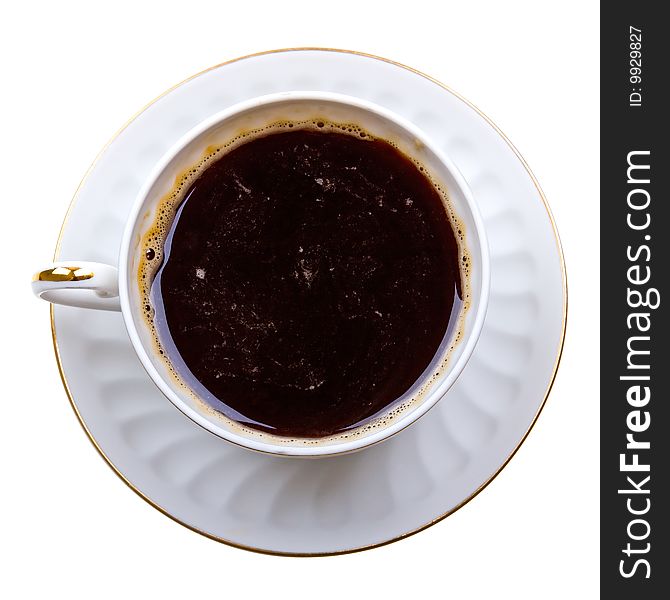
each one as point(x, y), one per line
point(93, 285)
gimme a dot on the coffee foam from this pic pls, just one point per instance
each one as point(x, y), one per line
point(151, 256)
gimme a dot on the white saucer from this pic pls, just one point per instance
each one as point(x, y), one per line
point(351, 502)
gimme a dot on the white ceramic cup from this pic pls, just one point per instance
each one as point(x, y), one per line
point(100, 286)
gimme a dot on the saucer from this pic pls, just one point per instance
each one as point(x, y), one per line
point(351, 502)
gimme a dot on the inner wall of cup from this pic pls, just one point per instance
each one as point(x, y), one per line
point(303, 110)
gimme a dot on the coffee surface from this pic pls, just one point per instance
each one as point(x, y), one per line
point(307, 281)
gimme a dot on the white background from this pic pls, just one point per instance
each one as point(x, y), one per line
point(73, 73)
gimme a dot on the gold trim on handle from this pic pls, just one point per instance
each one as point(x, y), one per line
point(63, 274)
point(559, 350)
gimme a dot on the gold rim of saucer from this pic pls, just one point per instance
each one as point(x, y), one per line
point(559, 353)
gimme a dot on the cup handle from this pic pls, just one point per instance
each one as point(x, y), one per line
point(79, 283)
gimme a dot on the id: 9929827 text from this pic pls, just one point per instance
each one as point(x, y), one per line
point(635, 66)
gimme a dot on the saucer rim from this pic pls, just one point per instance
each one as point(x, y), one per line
point(559, 351)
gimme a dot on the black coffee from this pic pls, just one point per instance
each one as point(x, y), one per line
point(307, 280)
